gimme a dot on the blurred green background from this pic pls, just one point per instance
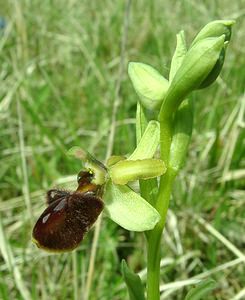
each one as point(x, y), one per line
point(60, 77)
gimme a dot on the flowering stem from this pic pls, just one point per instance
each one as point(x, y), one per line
point(154, 238)
point(191, 69)
point(165, 138)
point(162, 204)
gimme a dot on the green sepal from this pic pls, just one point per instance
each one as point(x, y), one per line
point(148, 143)
point(202, 290)
point(128, 209)
point(149, 84)
point(148, 188)
point(133, 282)
point(141, 122)
point(183, 123)
point(131, 170)
point(197, 64)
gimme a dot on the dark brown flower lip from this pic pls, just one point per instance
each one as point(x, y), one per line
point(69, 215)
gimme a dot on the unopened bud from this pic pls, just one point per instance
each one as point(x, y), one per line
point(215, 29)
point(149, 84)
point(195, 68)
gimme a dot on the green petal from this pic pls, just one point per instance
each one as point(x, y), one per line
point(90, 162)
point(84, 155)
point(128, 209)
point(78, 153)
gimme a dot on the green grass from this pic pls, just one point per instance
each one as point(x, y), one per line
point(59, 71)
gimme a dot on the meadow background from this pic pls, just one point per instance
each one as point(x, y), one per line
point(63, 68)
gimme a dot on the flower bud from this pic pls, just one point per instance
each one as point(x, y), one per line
point(196, 66)
point(148, 83)
point(215, 29)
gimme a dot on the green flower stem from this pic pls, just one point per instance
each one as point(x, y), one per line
point(165, 137)
point(154, 237)
point(161, 205)
point(190, 70)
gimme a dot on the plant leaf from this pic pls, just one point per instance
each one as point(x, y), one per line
point(133, 282)
point(201, 291)
point(128, 209)
point(183, 122)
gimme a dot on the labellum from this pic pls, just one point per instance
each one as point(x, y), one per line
point(63, 224)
